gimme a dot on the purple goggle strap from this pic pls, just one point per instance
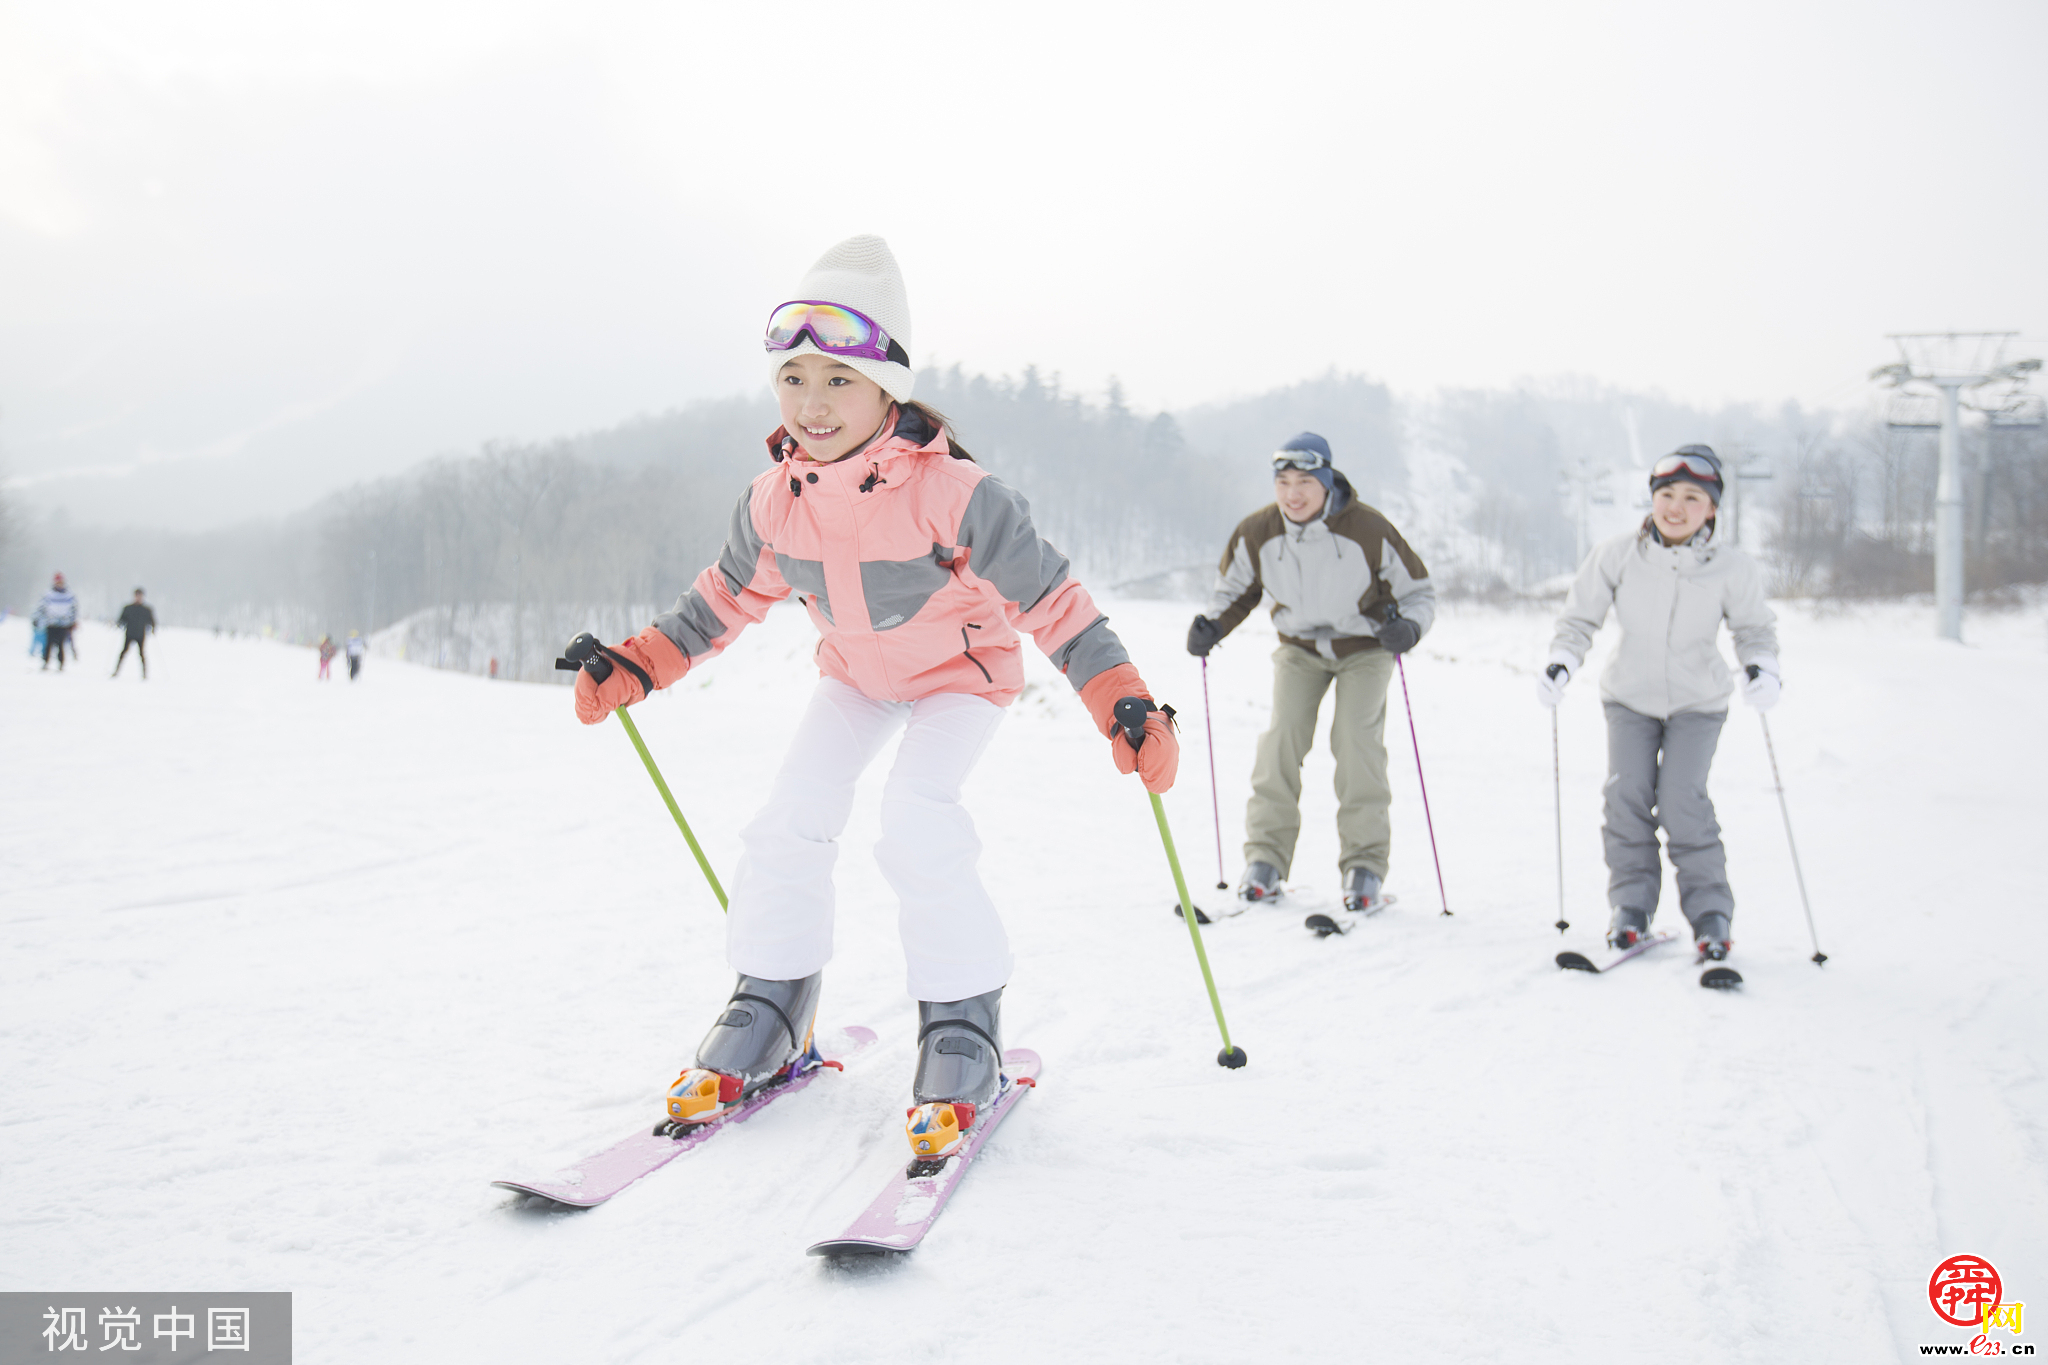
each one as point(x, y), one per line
point(880, 345)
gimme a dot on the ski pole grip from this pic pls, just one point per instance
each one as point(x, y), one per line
point(1130, 715)
point(585, 652)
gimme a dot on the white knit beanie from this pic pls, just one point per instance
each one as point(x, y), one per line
point(860, 273)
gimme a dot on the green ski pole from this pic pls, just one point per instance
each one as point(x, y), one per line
point(633, 733)
point(1130, 714)
point(586, 653)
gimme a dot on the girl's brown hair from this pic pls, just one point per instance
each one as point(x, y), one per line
point(936, 420)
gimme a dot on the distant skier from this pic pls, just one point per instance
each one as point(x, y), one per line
point(1665, 691)
point(327, 653)
point(918, 569)
point(58, 614)
point(137, 621)
point(1348, 595)
point(355, 647)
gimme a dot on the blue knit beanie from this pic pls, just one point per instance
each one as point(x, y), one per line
point(1310, 443)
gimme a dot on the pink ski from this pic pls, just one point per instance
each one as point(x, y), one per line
point(906, 1209)
point(597, 1178)
point(1579, 962)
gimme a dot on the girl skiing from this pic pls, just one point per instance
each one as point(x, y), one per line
point(918, 569)
point(1666, 690)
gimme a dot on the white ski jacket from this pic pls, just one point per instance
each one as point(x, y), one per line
point(1670, 601)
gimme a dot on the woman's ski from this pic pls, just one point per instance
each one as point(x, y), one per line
point(911, 1202)
point(598, 1177)
point(1579, 962)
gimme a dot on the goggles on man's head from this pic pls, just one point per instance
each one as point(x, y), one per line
point(1681, 463)
point(834, 329)
point(1308, 461)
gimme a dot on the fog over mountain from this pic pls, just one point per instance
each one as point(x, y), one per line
point(251, 255)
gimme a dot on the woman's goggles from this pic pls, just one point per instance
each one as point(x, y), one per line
point(1682, 463)
point(834, 329)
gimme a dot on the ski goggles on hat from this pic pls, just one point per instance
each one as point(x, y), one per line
point(1306, 460)
point(834, 329)
point(1681, 463)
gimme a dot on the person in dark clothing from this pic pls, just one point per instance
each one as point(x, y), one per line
point(138, 621)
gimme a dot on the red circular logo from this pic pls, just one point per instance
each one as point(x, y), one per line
point(1964, 1290)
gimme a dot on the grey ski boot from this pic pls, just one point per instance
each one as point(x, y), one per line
point(1710, 937)
point(1627, 927)
point(762, 1036)
point(1362, 891)
point(959, 1071)
point(1261, 883)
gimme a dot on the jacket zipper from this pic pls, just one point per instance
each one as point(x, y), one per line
point(966, 648)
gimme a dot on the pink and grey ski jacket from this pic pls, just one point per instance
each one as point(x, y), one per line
point(918, 567)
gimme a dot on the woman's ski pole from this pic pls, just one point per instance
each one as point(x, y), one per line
point(1441, 896)
point(1130, 714)
point(586, 653)
point(1557, 795)
point(1215, 798)
point(1819, 957)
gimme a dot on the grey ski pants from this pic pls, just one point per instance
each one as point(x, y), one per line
point(1657, 775)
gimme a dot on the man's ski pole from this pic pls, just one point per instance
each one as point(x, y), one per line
point(1819, 957)
point(586, 653)
point(1557, 795)
point(1130, 714)
point(1441, 896)
point(1215, 797)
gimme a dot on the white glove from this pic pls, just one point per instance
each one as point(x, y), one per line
point(1762, 689)
point(1550, 683)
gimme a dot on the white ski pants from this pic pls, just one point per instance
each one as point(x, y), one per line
point(779, 925)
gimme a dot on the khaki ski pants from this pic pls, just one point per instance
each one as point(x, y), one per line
point(1272, 818)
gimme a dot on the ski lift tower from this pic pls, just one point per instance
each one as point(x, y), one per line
point(1948, 363)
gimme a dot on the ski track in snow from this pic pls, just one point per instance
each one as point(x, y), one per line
point(289, 971)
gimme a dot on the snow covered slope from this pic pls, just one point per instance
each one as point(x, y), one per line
point(289, 971)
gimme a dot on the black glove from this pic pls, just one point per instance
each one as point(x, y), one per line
point(1202, 636)
point(1396, 633)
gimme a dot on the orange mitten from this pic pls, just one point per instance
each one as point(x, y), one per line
point(657, 657)
point(1158, 759)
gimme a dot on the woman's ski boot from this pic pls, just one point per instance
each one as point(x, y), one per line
point(763, 1036)
point(959, 1073)
point(1710, 938)
point(1627, 928)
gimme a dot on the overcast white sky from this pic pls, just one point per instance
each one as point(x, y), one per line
point(251, 251)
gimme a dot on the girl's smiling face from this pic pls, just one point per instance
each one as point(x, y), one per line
point(1679, 509)
point(831, 408)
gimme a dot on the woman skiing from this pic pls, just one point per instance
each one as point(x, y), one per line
point(918, 569)
point(1666, 690)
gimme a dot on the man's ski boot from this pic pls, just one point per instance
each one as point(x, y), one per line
point(1261, 883)
point(1362, 891)
point(763, 1036)
point(959, 1072)
point(1710, 938)
point(1627, 928)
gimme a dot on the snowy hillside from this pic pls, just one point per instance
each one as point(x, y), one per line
point(290, 971)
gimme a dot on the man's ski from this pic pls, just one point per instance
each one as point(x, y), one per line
point(1325, 925)
point(1579, 962)
point(911, 1202)
point(1720, 978)
point(597, 1178)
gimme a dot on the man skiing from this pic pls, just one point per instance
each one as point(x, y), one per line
point(354, 649)
point(1348, 595)
point(57, 613)
point(1670, 586)
point(137, 621)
